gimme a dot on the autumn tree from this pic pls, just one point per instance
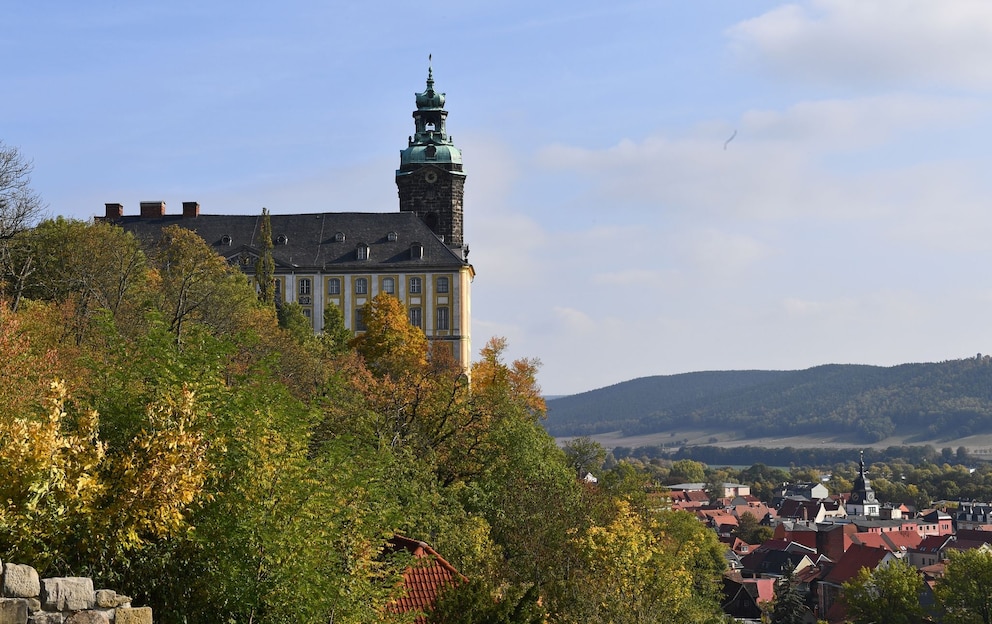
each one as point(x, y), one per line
point(636, 572)
point(963, 592)
point(49, 480)
point(265, 266)
point(84, 267)
point(390, 345)
point(515, 381)
point(889, 593)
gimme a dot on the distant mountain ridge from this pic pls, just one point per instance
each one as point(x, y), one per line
point(952, 398)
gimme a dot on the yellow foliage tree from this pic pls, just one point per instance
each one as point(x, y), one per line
point(49, 479)
point(161, 475)
point(635, 573)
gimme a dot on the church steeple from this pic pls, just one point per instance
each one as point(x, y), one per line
point(862, 496)
point(431, 180)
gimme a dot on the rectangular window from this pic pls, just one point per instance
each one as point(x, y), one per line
point(442, 284)
point(415, 317)
point(414, 285)
point(360, 319)
point(334, 286)
point(361, 286)
point(389, 285)
point(442, 319)
point(304, 286)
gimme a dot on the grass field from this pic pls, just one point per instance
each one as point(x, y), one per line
point(977, 445)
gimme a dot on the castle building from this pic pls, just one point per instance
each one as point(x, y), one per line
point(345, 259)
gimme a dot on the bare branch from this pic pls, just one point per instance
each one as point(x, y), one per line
point(20, 206)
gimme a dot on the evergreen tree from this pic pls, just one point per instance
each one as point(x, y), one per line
point(265, 267)
point(789, 605)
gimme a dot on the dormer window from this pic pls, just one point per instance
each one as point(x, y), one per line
point(391, 237)
point(339, 237)
point(363, 252)
point(416, 251)
point(226, 240)
point(431, 152)
point(282, 240)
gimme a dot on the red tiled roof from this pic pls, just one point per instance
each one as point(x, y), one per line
point(424, 580)
point(933, 543)
point(893, 541)
point(855, 558)
point(765, 588)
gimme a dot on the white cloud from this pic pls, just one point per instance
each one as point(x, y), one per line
point(874, 42)
point(825, 159)
point(574, 321)
point(724, 253)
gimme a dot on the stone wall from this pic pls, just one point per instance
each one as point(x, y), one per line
point(27, 599)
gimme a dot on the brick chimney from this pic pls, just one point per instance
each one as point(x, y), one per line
point(114, 212)
point(191, 210)
point(152, 209)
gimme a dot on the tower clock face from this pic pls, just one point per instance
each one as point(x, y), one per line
point(855, 497)
point(430, 177)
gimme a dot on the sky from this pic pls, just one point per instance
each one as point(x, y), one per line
point(653, 187)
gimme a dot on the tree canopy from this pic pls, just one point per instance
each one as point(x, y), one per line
point(163, 432)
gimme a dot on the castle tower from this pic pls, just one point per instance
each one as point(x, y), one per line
point(430, 180)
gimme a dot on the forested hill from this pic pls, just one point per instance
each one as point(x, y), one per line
point(946, 399)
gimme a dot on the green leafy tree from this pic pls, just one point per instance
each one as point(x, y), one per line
point(296, 324)
point(584, 455)
point(195, 285)
point(963, 592)
point(477, 602)
point(336, 336)
point(687, 471)
point(265, 266)
point(750, 530)
point(889, 593)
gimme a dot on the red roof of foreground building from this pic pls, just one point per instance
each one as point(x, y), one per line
point(855, 558)
point(423, 580)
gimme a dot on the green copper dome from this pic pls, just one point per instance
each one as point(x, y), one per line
point(430, 99)
point(430, 143)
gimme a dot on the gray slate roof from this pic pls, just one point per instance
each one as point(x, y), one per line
point(308, 241)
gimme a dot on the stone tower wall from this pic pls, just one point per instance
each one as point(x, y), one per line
point(444, 198)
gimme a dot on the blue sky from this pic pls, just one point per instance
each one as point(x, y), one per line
point(615, 231)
